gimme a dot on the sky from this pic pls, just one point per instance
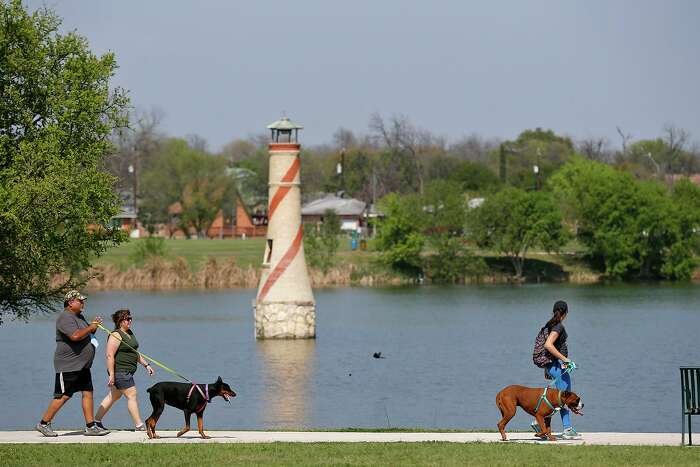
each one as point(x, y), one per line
point(226, 69)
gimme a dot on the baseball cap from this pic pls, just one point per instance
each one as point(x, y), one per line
point(73, 294)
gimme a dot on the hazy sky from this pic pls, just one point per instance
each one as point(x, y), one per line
point(225, 69)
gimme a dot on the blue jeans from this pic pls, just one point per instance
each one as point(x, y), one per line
point(563, 383)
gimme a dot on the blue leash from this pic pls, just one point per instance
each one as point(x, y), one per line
point(571, 366)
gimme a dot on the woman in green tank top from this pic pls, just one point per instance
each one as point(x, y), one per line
point(122, 357)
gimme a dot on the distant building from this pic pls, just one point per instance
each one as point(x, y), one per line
point(245, 223)
point(352, 212)
point(475, 203)
point(126, 219)
point(693, 178)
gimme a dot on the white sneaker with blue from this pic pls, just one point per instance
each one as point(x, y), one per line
point(569, 433)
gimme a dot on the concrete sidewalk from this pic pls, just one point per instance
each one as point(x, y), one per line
point(617, 439)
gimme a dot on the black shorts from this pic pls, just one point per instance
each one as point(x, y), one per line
point(70, 382)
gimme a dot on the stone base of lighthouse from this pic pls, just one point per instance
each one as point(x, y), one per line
point(285, 320)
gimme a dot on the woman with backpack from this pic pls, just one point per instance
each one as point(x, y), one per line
point(552, 354)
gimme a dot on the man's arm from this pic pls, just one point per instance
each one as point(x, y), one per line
point(70, 328)
point(80, 334)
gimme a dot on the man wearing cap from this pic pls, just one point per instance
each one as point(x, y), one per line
point(72, 361)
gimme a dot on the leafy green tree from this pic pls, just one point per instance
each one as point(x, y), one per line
point(513, 221)
point(198, 181)
point(321, 246)
point(400, 238)
point(475, 177)
point(630, 228)
point(56, 115)
point(442, 222)
point(541, 148)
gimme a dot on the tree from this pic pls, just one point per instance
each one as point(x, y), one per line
point(195, 179)
point(442, 222)
point(512, 221)
point(321, 247)
point(475, 177)
point(402, 140)
point(542, 148)
point(56, 115)
point(400, 239)
point(630, 228)
point(597, 149)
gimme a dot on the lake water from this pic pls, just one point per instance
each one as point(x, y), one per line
point(448, 352)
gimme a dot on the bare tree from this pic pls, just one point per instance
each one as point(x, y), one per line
point(401, 138)
point(626, 138)
point(135, 145)
point(344, 138)
point(197, 142)
point(676, 140)
point(238, 150)
point(474, 148)
point(597, 149)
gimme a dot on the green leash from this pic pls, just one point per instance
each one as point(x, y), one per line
point(169, 370)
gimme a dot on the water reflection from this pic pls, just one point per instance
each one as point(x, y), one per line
point(288, 369)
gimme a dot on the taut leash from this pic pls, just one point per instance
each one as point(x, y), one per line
point(169, 370)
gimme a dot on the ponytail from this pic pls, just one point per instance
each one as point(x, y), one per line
point(559, 312)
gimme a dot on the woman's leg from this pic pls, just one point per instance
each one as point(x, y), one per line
point(133, 404)
point(107, 403)
point(563, 383)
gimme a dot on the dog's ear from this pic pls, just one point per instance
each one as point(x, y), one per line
point(219, 380)
point(565, 396)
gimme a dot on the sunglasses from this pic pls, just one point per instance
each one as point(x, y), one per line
point(128, 319)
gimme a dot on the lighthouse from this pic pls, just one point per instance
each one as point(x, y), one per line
point(284, 304)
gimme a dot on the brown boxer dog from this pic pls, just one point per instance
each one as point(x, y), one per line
point(509, 398)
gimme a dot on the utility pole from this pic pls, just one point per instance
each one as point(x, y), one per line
point(536, 169)
point(502, 162)
point(341, 170)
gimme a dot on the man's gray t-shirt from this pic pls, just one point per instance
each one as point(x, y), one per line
point(72, 355)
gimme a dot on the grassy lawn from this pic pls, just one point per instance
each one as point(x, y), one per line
point(247, 252)
point(345, 454)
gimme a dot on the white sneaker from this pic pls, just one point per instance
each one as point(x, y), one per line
point(569, 433)
point(95, 431)
point(46, 430)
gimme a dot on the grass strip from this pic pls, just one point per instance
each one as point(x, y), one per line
point(431, 453)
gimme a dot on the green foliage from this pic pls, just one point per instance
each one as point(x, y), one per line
point(512, 221)
point(451, 261)
point(475, 177)
point(630, 228)
point(444, 208)
point(195, 179)
point(149, 247)
point(56, 114)
point(541, 148)
point(400, 238)
point(321, 245)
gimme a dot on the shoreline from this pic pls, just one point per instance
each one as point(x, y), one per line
point(177, 274)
